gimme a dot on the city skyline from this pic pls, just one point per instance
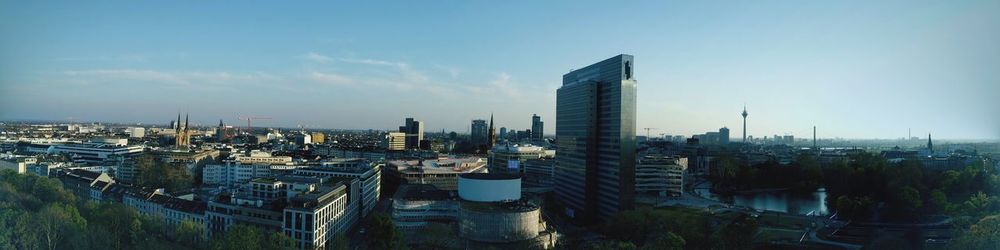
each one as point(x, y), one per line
point(847, 76)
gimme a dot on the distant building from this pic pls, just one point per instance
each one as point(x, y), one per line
point(136, 132)
point(318, 137)
point(395, 141)
point(17, 164)
point(539, 172)
point(595, 131)
point(724, 135)
point(479, 132)
point(509, 158)
point(537, 127)
point(503, 132)
point(95, 153)
point(414, 133)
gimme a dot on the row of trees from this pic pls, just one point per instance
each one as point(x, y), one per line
point(857, 187)
point(677, 229)
point(37, 213)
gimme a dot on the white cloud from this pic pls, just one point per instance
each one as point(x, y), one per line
point(177, 78)
point(329, 78)
point(316, 57)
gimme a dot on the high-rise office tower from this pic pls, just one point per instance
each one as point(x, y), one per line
point(595, 130)
point(745, 124)
point(503, 132)
point(414, 133)
point(724, 135)
point(537, 127)
point(479, 133)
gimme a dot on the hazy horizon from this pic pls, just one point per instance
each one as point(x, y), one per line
point(854, 69)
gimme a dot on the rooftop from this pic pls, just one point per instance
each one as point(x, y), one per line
point(439, 166)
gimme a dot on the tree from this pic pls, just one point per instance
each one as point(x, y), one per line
point(985, 234)
point(239, 237)
point(56, 222)
point(340, 242)
point(384, 234)
point(612, 245)
point(666, 241)
point(28, 233)
point(280, 241)
point(190, 233)
point(739, 233)
point(438, 236)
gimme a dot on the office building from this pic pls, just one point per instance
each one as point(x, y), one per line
point(414, 133)
point(479, 132)
point(509, 158)
point(394, 141)
point(595, 134)
point(95, 153)
point(442, 173)
point(318, 137)
point(724, 135)
point(660, 175)
point(368, 173)
point(537, 127)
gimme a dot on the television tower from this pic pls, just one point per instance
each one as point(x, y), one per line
point(745, 123)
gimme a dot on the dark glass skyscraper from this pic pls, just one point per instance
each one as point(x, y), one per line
point(537, 127)
point(595, 134)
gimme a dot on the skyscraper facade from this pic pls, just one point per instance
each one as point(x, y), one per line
point(414, 131)
point(595, 133)
point(479, 132)
point(724, 135)
point(537, 127)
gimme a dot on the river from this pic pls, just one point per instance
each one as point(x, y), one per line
point(777, 201)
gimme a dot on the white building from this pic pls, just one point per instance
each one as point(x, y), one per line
point(173, 210)
point(369, 174)
point(94, 152)
point(136, 132)
point(17, 163)
point(660, 175)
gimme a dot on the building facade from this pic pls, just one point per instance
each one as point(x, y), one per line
point(595, 134)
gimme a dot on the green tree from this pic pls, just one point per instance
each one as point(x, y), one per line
point(383, 234)
point(985, 234)
point(739, 233)
point(56, 222)
point(612, 245)
point(276, 240)
point(666, 241)
point(190, 233)
point(239, 237)
point(438, 236)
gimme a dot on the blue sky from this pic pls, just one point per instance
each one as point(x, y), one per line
point(855, 69)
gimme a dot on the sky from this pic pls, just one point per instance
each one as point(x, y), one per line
point(854, 69)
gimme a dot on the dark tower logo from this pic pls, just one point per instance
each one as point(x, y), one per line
point(628, 70)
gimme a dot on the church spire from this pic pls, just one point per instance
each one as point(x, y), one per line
point(930, 146)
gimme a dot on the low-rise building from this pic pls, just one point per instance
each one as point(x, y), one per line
point(310, 210)
point(660, 175)
point(442, 172)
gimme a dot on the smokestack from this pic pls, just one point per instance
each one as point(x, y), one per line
point(814, 138)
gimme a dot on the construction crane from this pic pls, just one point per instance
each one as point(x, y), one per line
point(249, 129)
point(647, 131)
